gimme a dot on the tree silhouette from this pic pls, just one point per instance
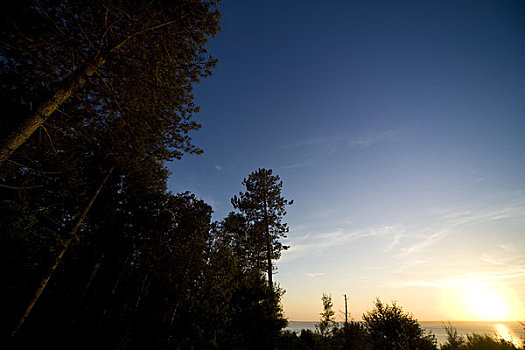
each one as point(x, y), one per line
point(263, 208)
point(390, 328)
point(129, 62)
point(327, 316)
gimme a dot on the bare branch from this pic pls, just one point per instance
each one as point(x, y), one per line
point(129, 37)
point(50, 140)
point(50, 18)
point(112, 91)
point(20, 188)
point(79, 26)
point(34, 170)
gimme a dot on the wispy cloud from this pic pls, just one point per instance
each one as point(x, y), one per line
point(218, 167)
point(491, 260)
point(313, 141)
point(309, 151)
point(372, 138)
point(303, 164)
point(449, 221)
point(420, 243)
point(317, 148)
point(466, 281)
point(314, 274)
point(313, 244)
point(395, 234)
point(507, 258)
point(408, 265)
point(309, 244)
point(425, 243)
point(404, 241)
point(514, 211)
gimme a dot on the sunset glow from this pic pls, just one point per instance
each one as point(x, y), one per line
point(469, 301)
point(404, 159)
point(486, 305)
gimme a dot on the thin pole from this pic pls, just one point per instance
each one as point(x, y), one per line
point(346, 311)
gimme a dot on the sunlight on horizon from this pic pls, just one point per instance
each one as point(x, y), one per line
point(487, 305)
point(477, 302)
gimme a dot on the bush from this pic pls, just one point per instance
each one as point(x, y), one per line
point(386, 327)
point(351, 336)
point(454, 341)
point(389, 328)
point(485, 342)
point(474, 342)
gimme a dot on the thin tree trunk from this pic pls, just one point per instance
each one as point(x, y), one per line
point(268, 243)
point(93, 274)
point(58, 259)
point(142, 289)
point(113, 291)
point(268, 251)
point(30, 124)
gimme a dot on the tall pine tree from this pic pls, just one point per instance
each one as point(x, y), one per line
point(263, 208)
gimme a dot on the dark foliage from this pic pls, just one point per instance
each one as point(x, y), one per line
point(350, 336)
point(385, 327)
point(85, 211)
point(126, 65)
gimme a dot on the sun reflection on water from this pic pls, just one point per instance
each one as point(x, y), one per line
point(503, 332)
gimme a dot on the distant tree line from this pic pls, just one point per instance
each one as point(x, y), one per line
point(385, 327)
point(95, 252)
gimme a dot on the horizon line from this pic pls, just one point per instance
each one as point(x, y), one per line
point(425, 321)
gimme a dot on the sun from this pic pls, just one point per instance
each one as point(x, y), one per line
point(486, 305)
point(468, 300)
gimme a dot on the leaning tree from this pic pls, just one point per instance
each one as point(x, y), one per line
point(129, 63)
point(108, 86)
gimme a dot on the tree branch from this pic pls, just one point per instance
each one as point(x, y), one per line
point(20, 188)
point(79, 26)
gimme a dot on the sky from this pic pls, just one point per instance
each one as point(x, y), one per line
point(398, 129)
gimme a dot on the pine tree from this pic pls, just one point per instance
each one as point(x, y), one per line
point(327, 316)
point(263, 208)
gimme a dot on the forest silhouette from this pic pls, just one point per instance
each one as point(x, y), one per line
point(96, 252)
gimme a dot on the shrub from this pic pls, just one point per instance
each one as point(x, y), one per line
point(389, 328)
point(474, 342)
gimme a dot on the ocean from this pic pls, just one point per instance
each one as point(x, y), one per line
point(512, 331)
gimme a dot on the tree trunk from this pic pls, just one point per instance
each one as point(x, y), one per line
point(113, 291)
point(268, 251)
point(58, 259)
point(31, 123)
point(142, 291)
point(92, 276)
point(268, 243)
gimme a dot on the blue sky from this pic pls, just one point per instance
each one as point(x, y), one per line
point(398, 127)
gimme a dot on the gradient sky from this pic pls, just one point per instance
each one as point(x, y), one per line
point(398, 127)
